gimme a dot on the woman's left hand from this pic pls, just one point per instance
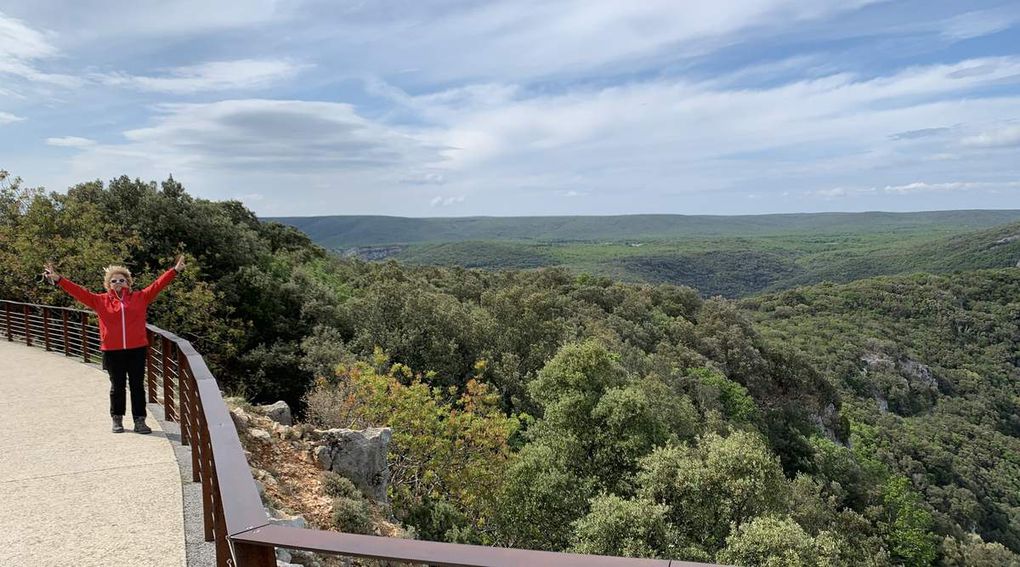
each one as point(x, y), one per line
point(179, 266)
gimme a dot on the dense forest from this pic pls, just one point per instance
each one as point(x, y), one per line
point(732, 256)
point(872, 423)
point(338, 232)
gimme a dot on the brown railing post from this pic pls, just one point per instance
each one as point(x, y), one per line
point(67, 346)
point(150, 369)
point(197, 446)
point(84, 337)
point(168, 384)
point(207, 486)
point(219, 524)
point(183, 393)
point(46, 326)
point(248, 555)
point(28, 330)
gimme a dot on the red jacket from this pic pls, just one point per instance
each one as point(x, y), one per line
point(121, 319)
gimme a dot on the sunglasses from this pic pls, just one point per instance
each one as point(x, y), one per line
point(118, 280)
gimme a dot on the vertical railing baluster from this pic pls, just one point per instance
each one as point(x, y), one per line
point(7, 317)
point(150, 368)
point(206, 465)
point(84, 337)
point(196, 429)
point(168, 383)
point(67, 346)
point(223, 558)
point(182, 393)
point(46, 326)
point(28, 331)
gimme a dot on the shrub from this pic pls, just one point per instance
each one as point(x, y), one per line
point(340, 487)
point(352, 516)
point(769, 542)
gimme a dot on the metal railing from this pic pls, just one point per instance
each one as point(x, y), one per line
point(177, 378)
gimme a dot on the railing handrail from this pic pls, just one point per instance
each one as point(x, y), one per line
point(22, 303)
point(233, 512)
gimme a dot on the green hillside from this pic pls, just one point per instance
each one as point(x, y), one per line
point(741, 266)
point(729, 256)
point(343, 232)
point(929, 372)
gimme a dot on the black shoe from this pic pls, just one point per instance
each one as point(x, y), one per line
point(118, 423)
point(140, 426)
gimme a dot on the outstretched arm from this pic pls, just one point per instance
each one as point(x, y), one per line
point(81, 294)
point(150, 292)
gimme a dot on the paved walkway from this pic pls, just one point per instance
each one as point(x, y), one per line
point(72, 492)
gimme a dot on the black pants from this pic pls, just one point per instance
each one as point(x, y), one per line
point(126, 367)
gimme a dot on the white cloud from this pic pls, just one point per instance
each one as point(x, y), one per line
point(1006, 136)
point(922, 187)
point(506, 104)
point(22, 47)
point(916, 187)
point(113, 21)
point(440, 201)
point(660, 138)
point(70, 142)
point(834, 192)
point(210, 76)
point(515, 40)
point(670, 121)
point(979, 23)
point(282, 149)
point(22, 42)
point(7, 118)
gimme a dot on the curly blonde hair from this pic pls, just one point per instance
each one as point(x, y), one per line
point(110, 271)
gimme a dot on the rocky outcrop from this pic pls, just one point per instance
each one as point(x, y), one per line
point(830, 424)
point(372, 252)
point(900, 384)
point(357, 455)
point(919, 373)
point(278, 412)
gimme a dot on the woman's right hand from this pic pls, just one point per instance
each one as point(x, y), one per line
point(51, 273)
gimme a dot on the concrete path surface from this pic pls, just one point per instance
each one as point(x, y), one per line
point(72, 492)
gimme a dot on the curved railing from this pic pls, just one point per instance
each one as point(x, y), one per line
point(178, 379)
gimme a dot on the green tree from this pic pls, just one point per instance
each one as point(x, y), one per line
point(629, 528)
point(539, 500)
point(908, 525)
point(718, 483)
point(769, 542)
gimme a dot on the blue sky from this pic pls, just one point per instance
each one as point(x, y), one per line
point(524, 107)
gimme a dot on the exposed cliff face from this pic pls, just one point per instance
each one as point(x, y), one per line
point(373, 252)
point(900, 384)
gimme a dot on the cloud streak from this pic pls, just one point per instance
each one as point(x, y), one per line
point(70, 142)
point(8, 118)
point(1005, 137)
point(22, 47)
point(210, 76)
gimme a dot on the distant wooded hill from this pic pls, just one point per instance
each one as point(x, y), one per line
point(340, 232)
point(733, 256)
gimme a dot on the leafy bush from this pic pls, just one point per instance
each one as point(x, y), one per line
point(352, 515)
point(340, 486)
point(630, 528)
point(769, 542)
